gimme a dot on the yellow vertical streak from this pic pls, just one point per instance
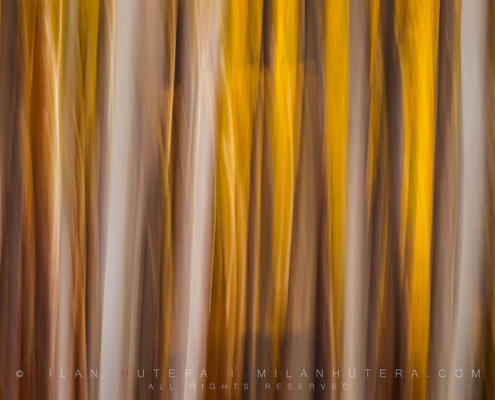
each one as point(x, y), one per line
point(242, 67)
point(417, 34)
point(337, 112)
point(376, 95)
point(284, 137)
point(239, 84)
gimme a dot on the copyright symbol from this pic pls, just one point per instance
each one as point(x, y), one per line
point(19, 373)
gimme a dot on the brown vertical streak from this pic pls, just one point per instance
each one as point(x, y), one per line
point(11, 218)
point(397, 333)
point(253, 248)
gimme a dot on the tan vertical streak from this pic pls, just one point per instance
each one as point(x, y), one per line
point(195, 102)
point(39, 109)
point(487, 335)
point(204, 126)
point(299, 335)
point(166, 160)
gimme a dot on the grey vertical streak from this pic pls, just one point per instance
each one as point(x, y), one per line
point(355, 287)
point(115, 326)
point(474, 73)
